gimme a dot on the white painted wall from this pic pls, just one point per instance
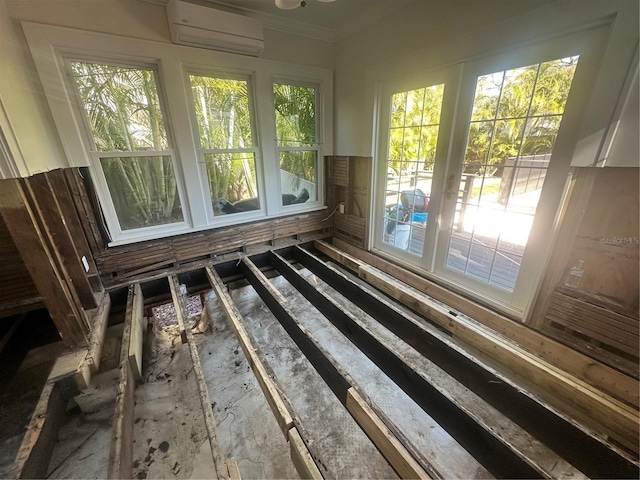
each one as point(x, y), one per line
point(30, 140)
point(28, 116)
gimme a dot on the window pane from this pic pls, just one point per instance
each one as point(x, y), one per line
point(485, 104)
point(143, 190)
point(516, 92)
point(295, 115)
point(232, 182)
point(415, 107)
point(398, 108)
point(222, 112)
point(552, 88)
point(298, 173)
point(506, 162)
point(413, 139)
point(122, 107)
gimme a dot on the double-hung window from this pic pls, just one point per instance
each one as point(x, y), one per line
point(130, 146)
point(297, 143)
point(228, 149)
point(180, 139)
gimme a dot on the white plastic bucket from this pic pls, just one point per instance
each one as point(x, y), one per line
point(401, 238)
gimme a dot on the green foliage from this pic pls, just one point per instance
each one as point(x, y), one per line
point(415, 118)
point(124, 114)
point(295, 110)
point(224, 122)
point(222, 112)
point(231, 176)
point(515, 113)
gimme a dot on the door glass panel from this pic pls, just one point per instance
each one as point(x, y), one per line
point(514, 124)
point(413, 137)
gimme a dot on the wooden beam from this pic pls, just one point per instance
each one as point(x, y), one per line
point(615, 418)
point(98, 332)
point(180, 303)
point(394, 451)
point(500, 391)
point(71, 365)
point(499, 444)
point(121, 451)
point(607, 379)
point(327, 367)
point(46, 198)
point(138, 328)
point(40, 438)
point(619, 420)
point(233, 472)
point(301, 458)
point(251, 351)
point(29, 238)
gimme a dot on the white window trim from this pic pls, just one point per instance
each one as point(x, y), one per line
point(50, 45)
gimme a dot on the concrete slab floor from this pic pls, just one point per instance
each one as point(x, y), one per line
point(170, 437)
point(343, 450)
point(427, 436)
point(82, 450)
point(246, 427)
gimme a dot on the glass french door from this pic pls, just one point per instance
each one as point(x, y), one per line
point(414, 118)
point(472, 177)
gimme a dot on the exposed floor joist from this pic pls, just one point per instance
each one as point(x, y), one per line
point(354, 383)
point(607, 379)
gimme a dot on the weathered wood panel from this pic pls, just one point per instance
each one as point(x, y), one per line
point(36, 251)
point(607, 328)
point(50, 201)
point(118, 265)
point(349, 182)
point(590, 296)
point(79, 183)
point(18, 293)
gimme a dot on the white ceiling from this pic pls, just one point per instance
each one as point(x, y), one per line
point(325, 21)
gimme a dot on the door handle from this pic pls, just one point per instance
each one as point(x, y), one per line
point(450, 182)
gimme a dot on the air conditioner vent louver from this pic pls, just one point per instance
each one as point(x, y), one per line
point(204, 27)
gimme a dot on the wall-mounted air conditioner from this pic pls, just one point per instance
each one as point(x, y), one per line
point(204, 27)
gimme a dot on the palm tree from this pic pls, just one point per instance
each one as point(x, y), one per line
point(124, 114)
point(295, 108)
point(224, 123)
